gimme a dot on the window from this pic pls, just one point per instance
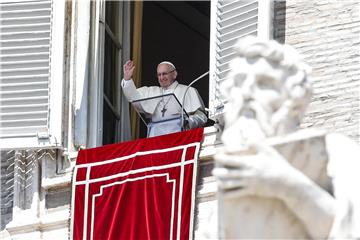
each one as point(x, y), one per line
point(111, 113)
point(181, 41)
point(108, 107)
point(174, 31)
point(179, 32)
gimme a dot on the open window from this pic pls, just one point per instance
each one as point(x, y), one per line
point(178, 31)
point(174, 31)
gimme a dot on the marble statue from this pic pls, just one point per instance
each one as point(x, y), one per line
point(275, 181)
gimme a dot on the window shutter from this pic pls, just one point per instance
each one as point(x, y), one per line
point(230, 21)
point(25, 73)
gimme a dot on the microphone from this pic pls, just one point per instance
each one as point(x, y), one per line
point(183, 100)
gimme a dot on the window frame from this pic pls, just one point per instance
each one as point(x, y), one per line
point(97, 98)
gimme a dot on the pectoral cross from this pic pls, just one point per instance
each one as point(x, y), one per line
point(163, 111)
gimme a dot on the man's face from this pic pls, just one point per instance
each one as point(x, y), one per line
point(166, 75)
point(258, 92)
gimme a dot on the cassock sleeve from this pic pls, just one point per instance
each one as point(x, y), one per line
point(132, 93)
point(194, 105)
point(193, 101)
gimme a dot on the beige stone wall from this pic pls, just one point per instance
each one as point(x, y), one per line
point(327, 34)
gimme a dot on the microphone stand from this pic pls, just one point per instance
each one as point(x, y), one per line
point(183, 100)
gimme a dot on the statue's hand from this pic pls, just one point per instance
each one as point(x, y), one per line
point(264, 173)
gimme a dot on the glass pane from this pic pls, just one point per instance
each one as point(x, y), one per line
point(110, 14)
point(110, 73)
point(109, 123)
point(110, 69)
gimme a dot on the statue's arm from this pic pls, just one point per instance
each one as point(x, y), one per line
point(314, 206)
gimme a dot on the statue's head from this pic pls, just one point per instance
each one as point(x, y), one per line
point(267, 91)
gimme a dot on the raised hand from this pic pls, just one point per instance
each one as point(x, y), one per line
point(128, 69)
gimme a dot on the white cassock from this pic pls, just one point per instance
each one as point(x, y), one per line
point(166, 108)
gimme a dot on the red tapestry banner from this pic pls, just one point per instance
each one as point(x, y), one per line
point(143, 189)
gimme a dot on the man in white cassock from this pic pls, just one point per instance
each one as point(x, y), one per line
point(165, 111)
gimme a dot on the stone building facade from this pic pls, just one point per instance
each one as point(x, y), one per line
point(327, 33)
point(35, 181)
